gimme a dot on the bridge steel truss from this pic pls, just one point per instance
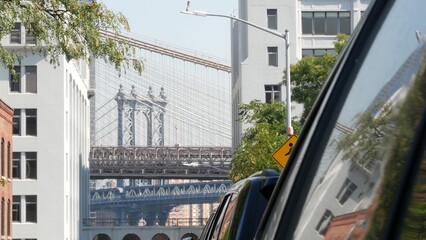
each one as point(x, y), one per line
point(200, 163)
point(174, 194)
point(153, 203)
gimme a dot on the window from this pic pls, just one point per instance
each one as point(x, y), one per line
point(29, 37)
point(15, 33)
point(272, 18)
point(9, 173)
point(307, 22)
point(31, 122)
point(220, 215)
point(15, 81)
point(3, 216)
point(3, 162)
point(30, 209)
point(9, 225)
point(29, 163)
point(373, 139)
point(16, 165)
point(319, 23)
point(326, 23)
point(273, 56)
point(317, 52)
point(272, 93)
point(17, 122)
point(31, 79)
point(225, 226)
point(413, 221)
point(324, 222)
point(16, 209)
point(346, 191)
point(31, 166)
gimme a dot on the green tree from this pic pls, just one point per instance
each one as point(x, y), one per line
point(267, 132)
point(267, 121)
point(309, 75)
point(67, 27)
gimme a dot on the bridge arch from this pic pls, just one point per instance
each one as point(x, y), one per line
point(102, 236)
point(193, 235)
point(160, 236)
point(131, 236)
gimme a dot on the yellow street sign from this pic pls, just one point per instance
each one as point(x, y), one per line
point(282, 154)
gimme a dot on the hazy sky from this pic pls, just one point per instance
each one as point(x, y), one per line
point(161, 20)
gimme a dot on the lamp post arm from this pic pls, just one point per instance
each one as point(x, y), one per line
point(278, 34)
point(287, 53)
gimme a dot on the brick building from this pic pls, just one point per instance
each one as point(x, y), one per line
point(6, 115)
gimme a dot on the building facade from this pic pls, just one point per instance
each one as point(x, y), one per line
point(51, 142)
point(258, 58)
point(6, 114)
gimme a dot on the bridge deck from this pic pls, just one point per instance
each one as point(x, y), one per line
point(160, 163)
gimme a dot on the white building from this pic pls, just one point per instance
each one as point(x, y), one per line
point(51, 143)
point(258, 57)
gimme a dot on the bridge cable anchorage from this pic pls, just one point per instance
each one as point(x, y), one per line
point(165, 51)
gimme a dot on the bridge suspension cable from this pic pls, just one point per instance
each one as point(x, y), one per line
point(198, 111)
point(165, 51)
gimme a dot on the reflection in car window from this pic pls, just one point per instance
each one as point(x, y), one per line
point(220, 212)
point(225, 226)
point(359, 171)
point(414, 222)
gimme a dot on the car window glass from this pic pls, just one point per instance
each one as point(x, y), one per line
point(414, 222)
point(242, 206)
point(359, 170)
point(227, 218)
point(220, 215)
point(207, 228)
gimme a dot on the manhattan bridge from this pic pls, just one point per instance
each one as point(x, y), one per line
point(160, 139)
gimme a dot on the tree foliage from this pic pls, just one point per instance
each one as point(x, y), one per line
point(309, 75)
point(363, 145)
point(267, 132)
point(69, 28)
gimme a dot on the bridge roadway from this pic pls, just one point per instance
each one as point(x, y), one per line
point(202, 163)
point(154, 202)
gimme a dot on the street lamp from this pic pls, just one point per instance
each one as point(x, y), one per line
point(285, 36)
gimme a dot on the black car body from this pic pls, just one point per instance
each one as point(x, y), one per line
point(241, 209)
point(358, 170)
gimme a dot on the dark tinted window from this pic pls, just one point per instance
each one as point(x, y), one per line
point(326, 23)
point(227, 218)
point(353, 180)
point(31, 122)
point(220, 216)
